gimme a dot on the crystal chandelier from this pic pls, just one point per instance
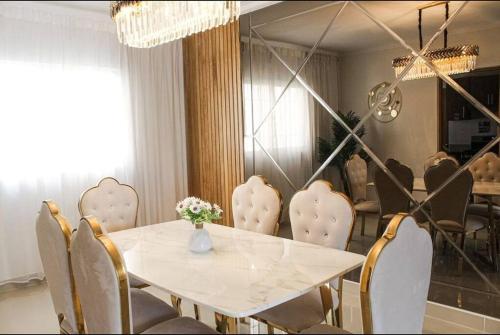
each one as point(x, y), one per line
point(449, 60)
point(145, 24)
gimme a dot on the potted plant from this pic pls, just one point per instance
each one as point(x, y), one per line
point(199, 212)
point(327, 146)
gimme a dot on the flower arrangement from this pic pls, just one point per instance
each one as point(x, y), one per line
point(198, 211)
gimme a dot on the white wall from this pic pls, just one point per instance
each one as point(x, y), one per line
point(412, 136)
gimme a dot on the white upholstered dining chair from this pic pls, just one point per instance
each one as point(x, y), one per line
point(324, 217)
point(54, 236)
point(106, 299)
point(257, 206)
point(394, 281)
point(113, 203)
point(485, 169)
point(357, 175)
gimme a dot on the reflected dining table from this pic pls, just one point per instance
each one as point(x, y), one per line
point(245, 273)
point(485, 190)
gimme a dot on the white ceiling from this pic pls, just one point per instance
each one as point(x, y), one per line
point(354, 31)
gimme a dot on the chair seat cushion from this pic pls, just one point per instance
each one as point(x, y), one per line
point(297, 314)
point(136, 283)
point(324, 329)
point(474, 223)
point(147, 310)
point(482, 210)
point(367, 207)
point(182, 325)
point(388, 216)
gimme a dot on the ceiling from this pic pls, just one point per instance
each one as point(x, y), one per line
point(354, 31)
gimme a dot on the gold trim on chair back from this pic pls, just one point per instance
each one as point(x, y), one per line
point(370, 265)
point(95, 212)
point(243, 213)
point(121, 276)
point(66, 233)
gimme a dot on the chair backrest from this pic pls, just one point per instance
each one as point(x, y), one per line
point(357, 174)
point(392, 199)
point(486, 168)
point(438, 156)
point(54, 234)
point(114, 204)
point(322, 216)
point(257, 206)
point(395, 279)
point(101, 280)
point(451, 202)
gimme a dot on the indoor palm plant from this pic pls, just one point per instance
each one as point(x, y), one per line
point(327, 146)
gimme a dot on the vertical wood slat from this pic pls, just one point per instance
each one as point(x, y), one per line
point(212, 77)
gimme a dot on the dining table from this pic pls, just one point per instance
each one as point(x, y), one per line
point(245, 273)
point(487, 191)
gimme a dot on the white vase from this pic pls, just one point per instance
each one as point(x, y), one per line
point(200, 240)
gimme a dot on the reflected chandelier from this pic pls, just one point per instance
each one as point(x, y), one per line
point(449, 60)
point(145, 24)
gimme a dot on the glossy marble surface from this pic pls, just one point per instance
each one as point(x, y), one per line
point(244, 274)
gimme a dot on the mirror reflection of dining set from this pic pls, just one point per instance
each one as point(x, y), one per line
point(460, 207)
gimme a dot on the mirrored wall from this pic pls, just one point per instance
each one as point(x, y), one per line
point(404, 86)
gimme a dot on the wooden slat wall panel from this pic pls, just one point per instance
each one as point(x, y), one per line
point(214, 118)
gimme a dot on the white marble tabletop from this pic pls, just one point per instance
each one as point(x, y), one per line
point(244, 274)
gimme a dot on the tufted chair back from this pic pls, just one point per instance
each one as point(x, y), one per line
point(436, 158)
point(451, 202)
point(486, 168)
point(322, 216)
point(257, 206)
point(54, 234)
point(392, 199)
point(101, 280)
point(357, 174)
point(114, 204)
point(395, 279)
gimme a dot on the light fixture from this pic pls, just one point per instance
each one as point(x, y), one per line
point(390, 107)
point(449, 60)
point(145, 24)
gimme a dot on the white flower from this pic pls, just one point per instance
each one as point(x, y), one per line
point(195, 208)
point(180, 206)
point(218, 210)
point(207, 206)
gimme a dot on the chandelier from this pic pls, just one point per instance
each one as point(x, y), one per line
point(449, 60)
point(145, 24)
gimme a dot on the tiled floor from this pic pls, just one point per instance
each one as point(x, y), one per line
point(29, 310)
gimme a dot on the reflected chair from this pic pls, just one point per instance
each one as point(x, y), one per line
point(438, 156)
point(357, 175)
point(106, 299)
point(257, 206)
point(394, 281)
point(449, 206)
point(53, 232)
point(392, 199)
point(115, 205)
point(485, 169)
point(324, 217)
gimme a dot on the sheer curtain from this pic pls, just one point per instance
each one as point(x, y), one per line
point(289, 134)
point(70, 114)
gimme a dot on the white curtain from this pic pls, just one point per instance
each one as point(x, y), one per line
point(75, 107)
point(290, 132)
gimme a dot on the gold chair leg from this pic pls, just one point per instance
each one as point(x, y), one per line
point(196, 312)
point(176, 303)
point(363, 224)
point(270, 329)
point(226, 324)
